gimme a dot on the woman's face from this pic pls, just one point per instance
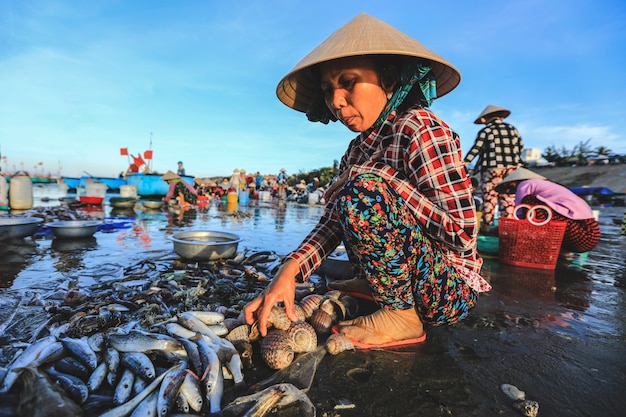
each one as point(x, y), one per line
point(353, 92)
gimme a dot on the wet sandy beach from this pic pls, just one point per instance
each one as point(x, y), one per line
point(557, 335)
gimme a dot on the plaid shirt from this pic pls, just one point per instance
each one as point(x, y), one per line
point(419, 156)
point(498, 145)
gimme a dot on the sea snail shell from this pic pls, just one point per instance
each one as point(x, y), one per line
point(337, 343)
point(310, 303)
point(303, 337)
point(321, 321)
point(278, 318)
point(276, 349)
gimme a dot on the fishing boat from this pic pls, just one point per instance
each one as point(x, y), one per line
point(140, 174)
point(112, 183)
point(72, 182)
point(37, 179)
point(602, 196)
point(151, 185)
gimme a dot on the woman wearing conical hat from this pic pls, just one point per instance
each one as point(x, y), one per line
point(179, 191)
point(582, 232)
point(498, 149)
point(402, 202)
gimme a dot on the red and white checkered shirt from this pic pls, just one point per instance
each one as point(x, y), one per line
point(419, 155)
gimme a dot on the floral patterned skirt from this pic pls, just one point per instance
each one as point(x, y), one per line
point(403, 266)
point(187, 195)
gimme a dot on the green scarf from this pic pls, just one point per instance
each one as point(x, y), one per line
point(413, 71)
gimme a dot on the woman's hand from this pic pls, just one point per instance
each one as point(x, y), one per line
point(332, 192)
point(282, 288)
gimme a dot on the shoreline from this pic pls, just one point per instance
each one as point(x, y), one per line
point(609, 176)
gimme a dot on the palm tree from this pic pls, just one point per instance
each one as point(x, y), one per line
point(602, 151)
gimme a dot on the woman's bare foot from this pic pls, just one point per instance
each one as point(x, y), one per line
point(383, 326)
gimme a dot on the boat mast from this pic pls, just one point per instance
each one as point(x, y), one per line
point(150, 149)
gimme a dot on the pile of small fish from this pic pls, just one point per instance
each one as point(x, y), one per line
point(127, 362)
point(49, 214)
point(163, 340)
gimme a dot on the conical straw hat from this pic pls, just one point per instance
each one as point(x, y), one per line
point(491, 109)
point(520, 174)
point(363, 35)
point(169, 175)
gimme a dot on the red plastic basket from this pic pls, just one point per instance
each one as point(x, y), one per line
point(524, 244)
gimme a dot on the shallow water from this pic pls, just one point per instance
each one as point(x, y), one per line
point(131, 235)
point(558, 335)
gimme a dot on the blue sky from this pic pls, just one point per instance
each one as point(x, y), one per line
point(81, 79)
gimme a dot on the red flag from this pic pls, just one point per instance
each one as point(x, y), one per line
point(148, 155)
point(123, 151)
point(137, 160)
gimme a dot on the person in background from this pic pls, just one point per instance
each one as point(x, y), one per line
point(265, 185)
point(402, 201)
point(582, 232)
point(281, 181)
point(250, 183)
point(199, 186)
point(319, 196)
point(213, 190)
point(302, 194)
point(313, 185)
point(498, 149)
point(235, 181)
point(222, 188)
point(180, 192)
point(181, 168)
point(258, 180)
point(242, 180)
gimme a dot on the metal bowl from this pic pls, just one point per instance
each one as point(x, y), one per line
point(153, 205)
point(18, 227)
point(74, 229)
point(123, 202)
point(205, 245)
